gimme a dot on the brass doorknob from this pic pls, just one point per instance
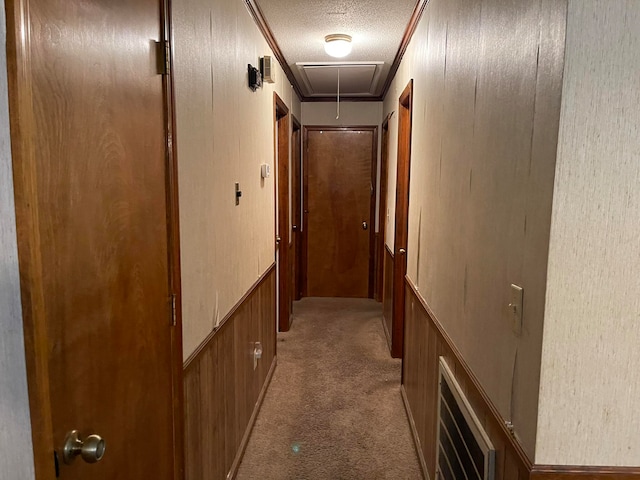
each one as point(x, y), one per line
point(402, 251)
point(91, 449)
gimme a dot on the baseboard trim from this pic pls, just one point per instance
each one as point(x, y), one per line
point(560, 472)
point(202, 347)
point(414, 433)
point(247, 434)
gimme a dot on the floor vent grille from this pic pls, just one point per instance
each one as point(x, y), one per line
point(464, 449)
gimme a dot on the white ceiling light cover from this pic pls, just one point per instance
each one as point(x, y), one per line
point(377, 28)
point(337, 45)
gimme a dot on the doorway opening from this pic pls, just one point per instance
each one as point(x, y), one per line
point(281, 125)
point(401, 220)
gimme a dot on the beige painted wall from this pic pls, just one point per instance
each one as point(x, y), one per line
point(16, 449)
point(590, 381)
point(224, 133)
point(351, 113)
point(487, 83)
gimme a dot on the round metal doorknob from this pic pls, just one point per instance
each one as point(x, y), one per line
point(402, 251)
point(278, 240)
point(91, 449)
point(365, 225)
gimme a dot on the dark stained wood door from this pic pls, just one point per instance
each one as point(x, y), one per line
point(91, 164)
point(339, 209)
point(296, 211)
point(382, 211)
point(283, 250)
point(405, 106)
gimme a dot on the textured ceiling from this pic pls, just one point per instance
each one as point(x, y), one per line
point(299, 28)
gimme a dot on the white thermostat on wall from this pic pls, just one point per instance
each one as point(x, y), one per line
point(265, 170)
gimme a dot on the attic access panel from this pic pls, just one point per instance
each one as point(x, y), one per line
point(356, 79)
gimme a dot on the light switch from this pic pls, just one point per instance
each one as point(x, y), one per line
point(238, 194)
point(515, 308)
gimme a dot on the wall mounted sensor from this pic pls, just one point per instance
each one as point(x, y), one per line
point(255, 78)
point(265, 170)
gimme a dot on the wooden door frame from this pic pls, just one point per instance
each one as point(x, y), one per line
point(382, 209)
point(23, 128)
point(372, 207)
point(405, 110)
point(297, 205)
point(282, 142)
point(175, 273)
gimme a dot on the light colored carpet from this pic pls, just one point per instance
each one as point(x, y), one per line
point(333, 410)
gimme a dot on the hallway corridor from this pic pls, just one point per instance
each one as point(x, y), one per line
point(333, 410)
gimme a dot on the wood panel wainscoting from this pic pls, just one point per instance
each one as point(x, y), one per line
point(223, 391)
point(387, 295)
point(425, 342)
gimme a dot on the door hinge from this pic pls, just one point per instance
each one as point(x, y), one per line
point(163, 57)
point(174, 313)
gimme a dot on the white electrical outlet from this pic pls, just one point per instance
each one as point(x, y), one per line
point(257, 354)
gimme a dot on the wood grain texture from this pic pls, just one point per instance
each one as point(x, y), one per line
point(296, 207)
point(91, 208)
point(414, 433)
point(16, 449)
point(23, 153)
point(223, 392)
point(558, 472)
point(401, 217)
point(282, 121)
point(590, 379)
point(488, 79)
point(426, 341)
point(387, 297)
point(339, 201)
point(382, 211)
point(173, 244)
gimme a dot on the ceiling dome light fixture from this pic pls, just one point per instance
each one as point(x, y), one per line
point(337, 45)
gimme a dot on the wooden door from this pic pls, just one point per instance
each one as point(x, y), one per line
point(382, 211)
point(283, 225)
point(90, 126)
point(296, 211)
point(339, 210)
point(402, 219)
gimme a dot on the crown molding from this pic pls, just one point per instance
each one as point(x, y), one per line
point(258, 17)
point(264, 27)
point(416, 16)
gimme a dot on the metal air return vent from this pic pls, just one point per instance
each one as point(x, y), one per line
point(465, 451)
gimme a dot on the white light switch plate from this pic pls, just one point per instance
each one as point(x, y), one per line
point(515, 308)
